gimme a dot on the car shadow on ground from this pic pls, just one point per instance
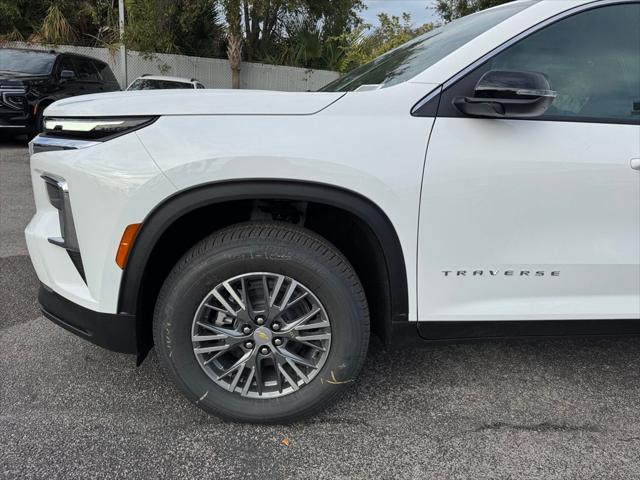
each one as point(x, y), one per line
point(14, 142)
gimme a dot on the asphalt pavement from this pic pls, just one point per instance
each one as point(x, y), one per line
point(553, 409)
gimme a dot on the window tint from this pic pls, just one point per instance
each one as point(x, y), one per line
point(66, 64)
point(153, 84)
point(26, 61)
point(86, 70)
point(592, 60)
point(412, 58)
point(105, 72)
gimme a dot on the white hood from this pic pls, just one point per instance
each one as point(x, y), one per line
point(193, 102)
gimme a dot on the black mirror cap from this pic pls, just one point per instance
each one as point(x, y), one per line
point(513, 84)
point(508, 94)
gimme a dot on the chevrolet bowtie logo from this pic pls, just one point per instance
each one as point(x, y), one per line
point(262, 336)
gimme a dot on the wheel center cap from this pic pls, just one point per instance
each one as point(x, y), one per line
point(262, 336)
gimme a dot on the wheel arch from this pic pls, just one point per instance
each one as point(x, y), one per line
point(182, 203)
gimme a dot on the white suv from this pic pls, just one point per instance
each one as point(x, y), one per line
point(479, 181)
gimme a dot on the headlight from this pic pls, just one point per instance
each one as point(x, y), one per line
point(95, 129)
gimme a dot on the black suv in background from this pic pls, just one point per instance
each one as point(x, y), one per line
point(32, 79)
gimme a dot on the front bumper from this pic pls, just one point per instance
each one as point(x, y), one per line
point(115, 332)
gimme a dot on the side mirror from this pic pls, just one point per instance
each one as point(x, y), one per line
point(66, 75)
point(508, 94)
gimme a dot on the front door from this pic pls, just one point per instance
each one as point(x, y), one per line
point(540, 219)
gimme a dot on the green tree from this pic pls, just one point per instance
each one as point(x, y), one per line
point(233, 16)
point(392, 32)
point(51, 21)
point(452, 9)
point(189, 27)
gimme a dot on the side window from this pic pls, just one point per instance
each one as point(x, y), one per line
point(65, 63)
point(105, 72)
point(86, 70)
point(592, 59)
point(199, 85)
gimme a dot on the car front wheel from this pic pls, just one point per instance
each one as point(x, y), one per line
point(262, 323)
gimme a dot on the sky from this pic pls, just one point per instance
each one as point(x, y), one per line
point(421, 10)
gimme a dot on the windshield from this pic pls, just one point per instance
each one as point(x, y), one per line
point(26, 61)
point(415, 56)
point(151, 84)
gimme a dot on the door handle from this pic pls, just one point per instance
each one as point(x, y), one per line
point(635, 163)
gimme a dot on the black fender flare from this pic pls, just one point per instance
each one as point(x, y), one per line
point(174, 207)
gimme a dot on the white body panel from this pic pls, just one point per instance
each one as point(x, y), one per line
point(532, 196)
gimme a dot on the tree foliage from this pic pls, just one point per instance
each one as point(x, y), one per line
point(293, 32)
point(321, 34)
point(370, 42)
point(452, 9)
point(190, 27)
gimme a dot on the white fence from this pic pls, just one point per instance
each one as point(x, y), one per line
point(212, 72)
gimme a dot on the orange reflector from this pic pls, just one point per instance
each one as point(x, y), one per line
point(126, 243)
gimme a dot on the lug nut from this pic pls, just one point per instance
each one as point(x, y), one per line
point(246, 330)
point(264, 350)
point(275, 326)
point(260, 321)
point(248, 345)
point(277, 342)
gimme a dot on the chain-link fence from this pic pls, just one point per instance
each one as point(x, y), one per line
point(212, 72)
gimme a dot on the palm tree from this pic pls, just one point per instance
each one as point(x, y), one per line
point(234, 39)
point(55, 28)
point(234, 53)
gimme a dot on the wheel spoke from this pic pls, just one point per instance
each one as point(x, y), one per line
point(313, 326)
point(299, 372)
point(248, 381)
point(276, 290)
point(226, 333)
point(296, 358)
point(217, 348)
point(258, 375)
point(217, 309)
point(287, 296)
point(239, 364)
point(276, 366)
point(290, 381)
point(296, 300)
point(234, 295)
point(213, 357)
point(309, 344)
point(320, 336)
point(245, 297)
point(305, 318)
point(236, 379)
point(265, 288)
point(280, 362)
point(207, 338)
point(224, 303)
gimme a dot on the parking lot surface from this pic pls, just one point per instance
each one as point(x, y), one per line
point(529, 409)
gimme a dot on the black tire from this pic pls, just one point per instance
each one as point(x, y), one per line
point(263, 247)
